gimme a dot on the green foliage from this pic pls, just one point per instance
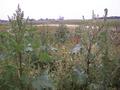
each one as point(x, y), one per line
point(43, 82)
point(79, 76)
point(45, 57)
point(8, 78)
point(116, 77)
point(96, 67)
point(15, 76)
point(62, 33)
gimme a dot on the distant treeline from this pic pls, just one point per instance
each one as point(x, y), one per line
point(57, 21)
point(110, 17)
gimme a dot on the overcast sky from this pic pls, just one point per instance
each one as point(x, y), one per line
point(70, 9)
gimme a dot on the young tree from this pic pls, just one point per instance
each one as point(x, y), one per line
point(62, 33)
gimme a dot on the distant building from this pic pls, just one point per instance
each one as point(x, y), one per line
point(61, 18)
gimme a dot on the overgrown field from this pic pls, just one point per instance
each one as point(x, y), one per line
point(44, 57)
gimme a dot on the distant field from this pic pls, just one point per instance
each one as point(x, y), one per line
point(71, 24)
